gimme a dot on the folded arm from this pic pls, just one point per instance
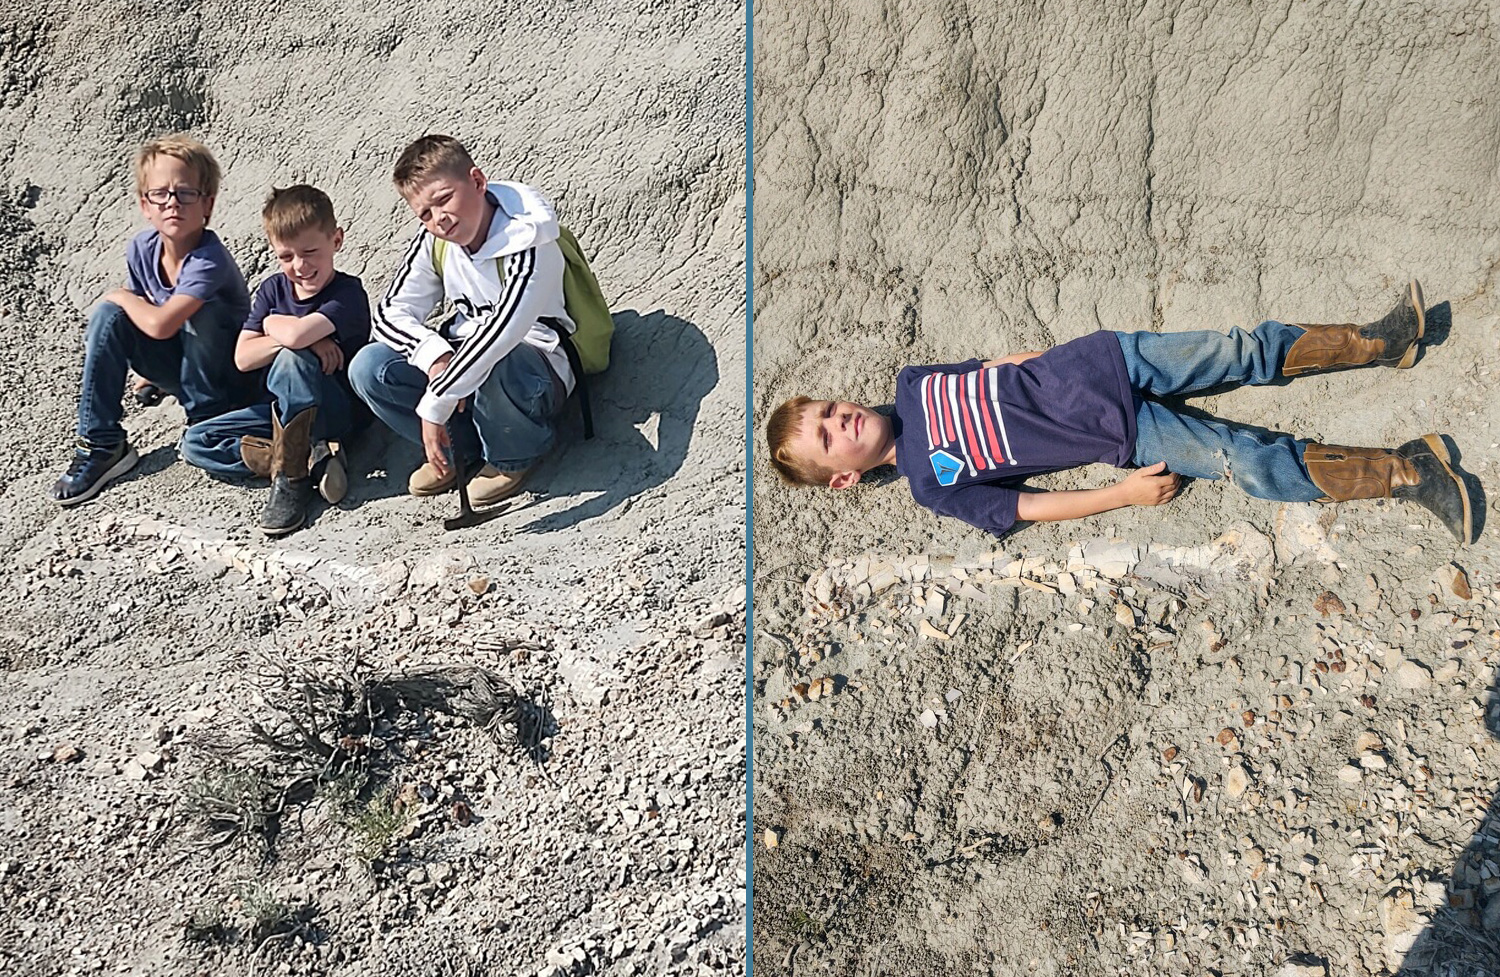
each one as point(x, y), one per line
point(400, 319)
point(298, 332)
point(156, 321)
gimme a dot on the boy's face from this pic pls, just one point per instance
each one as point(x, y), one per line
point(452, 207)
point(847, 438)
point(170, 180)
point(306, 259)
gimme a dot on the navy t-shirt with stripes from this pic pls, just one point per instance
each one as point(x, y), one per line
point(967, 435)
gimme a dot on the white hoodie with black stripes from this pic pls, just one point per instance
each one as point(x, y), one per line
point(495, 310)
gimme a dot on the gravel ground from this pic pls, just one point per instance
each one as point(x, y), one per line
point(160, 813)
point(1224, 736)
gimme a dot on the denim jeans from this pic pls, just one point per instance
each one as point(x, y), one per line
point(509, 421)
point(296, 381)
point(1267, 466)
point(196, 366)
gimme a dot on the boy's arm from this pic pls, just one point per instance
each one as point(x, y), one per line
point(298, 332)
point(533, 284)
point(254, 350)
point(1012, 359)
point(1152, 485)
point(157, 321)
point(399, 320)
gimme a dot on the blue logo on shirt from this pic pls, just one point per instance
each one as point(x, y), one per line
point(945, 467)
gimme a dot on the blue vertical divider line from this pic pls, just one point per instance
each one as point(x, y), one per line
point(749, 512)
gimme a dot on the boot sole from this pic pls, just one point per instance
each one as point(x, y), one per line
point(1440, 451)
point(122, 466)
point(1414, 293)
point(282, 530)
point(334, 484)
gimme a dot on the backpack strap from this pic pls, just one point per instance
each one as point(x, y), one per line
point(580, 379)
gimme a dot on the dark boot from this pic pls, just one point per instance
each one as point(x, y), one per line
point(291, 485)
point(1419, 471)
point(1391, 341)
point(256, 454)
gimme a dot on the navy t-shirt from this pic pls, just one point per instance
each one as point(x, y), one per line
point(342, 300)
point(966, 436)
point(208, 274)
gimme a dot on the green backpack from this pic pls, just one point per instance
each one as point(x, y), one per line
point(581, 297)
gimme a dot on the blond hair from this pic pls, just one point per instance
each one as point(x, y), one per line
point(429, 157)
point(187, 150)
point(781, 427)
point(291, 210)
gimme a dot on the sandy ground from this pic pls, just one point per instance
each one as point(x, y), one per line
point(136, 624)
point(1226, 736)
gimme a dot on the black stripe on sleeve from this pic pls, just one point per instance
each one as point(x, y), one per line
point(519, 268)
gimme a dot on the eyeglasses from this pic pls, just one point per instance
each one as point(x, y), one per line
point(186, 196)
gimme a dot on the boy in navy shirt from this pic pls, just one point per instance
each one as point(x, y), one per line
point(174, 322)
point(305, 325)
point(967, 435)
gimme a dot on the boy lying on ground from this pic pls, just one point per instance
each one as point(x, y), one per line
point(967, 435)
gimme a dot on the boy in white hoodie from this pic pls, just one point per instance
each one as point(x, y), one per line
point(491, 249)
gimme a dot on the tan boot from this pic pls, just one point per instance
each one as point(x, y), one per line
point(1391, 341)
point(492, 485)
point(256, 454)
point(1419, 471)
point(426, 481)
point(329, 471)
point(291, 484)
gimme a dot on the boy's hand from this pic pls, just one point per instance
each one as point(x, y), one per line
point(330, 355)
point(435, 443)
point(1152, 485)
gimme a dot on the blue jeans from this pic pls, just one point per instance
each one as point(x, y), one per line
point(196, 366)
point(296, 381)
point(509, 421)
point(1267, 466)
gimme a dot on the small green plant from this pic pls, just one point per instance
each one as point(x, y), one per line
point(805, 924)
point(371, 824)
point(267, 915)
point(206, 923)
point(232, 801)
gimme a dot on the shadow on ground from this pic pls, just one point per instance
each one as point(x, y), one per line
point(1463, 939)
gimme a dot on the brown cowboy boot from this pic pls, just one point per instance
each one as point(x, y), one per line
point(291, 482)
point(1391, 341)
point(1419, 471)
point(255, 452)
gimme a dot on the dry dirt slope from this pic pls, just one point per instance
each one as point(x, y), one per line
point(941, 180)
point(124, 636)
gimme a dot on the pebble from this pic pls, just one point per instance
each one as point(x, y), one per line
point(1237, 781)
point(1413, 675)
point(771, 837)
point(67, 753)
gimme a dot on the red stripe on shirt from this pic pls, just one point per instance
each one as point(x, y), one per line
point(986, 411)
point(965, 412)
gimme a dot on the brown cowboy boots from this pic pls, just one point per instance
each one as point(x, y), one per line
point(1391, 341)
point(291, 481)
point(327, 465)
point(1419, 471)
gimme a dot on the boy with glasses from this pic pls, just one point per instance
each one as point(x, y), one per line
point(175, 323)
